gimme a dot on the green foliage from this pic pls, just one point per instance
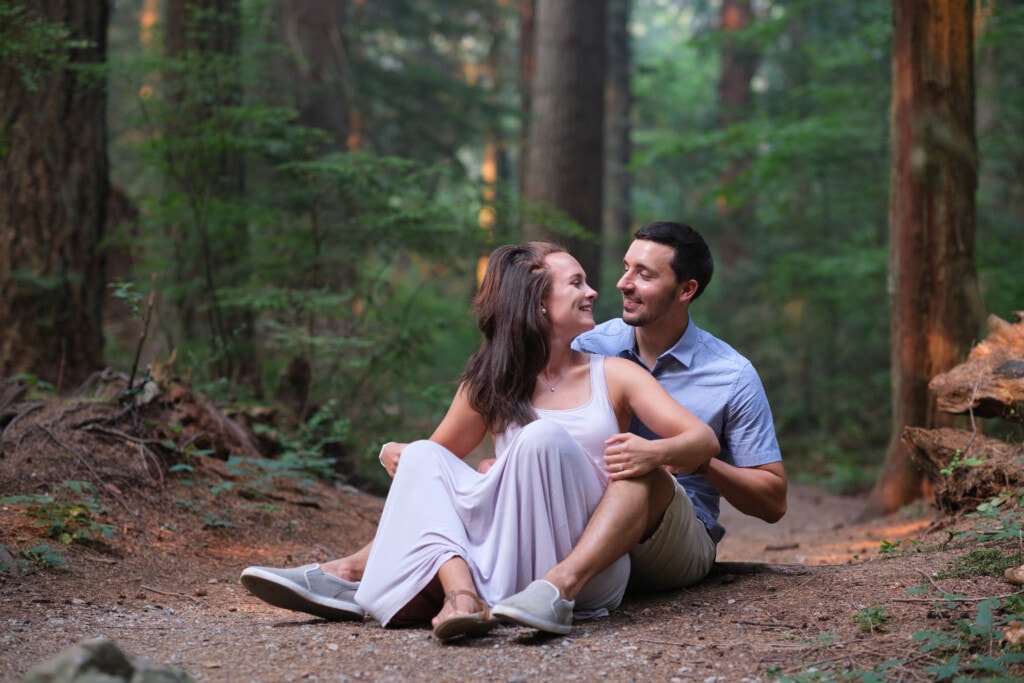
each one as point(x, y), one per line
point(42, 556)
point(806, 244)
point(74, 521)
point(126, 292)
point(38, 388)
point(358, 264)
point(967, 648)
point(960, 461)
point(872, 619)
point(981, 562)
point(30, 45)
point(1000, 86)
point(889, 547)
point(975, 649)
point(1000, 518)
point(361, 263)
point(305, 453)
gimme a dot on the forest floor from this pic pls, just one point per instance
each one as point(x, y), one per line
point(809, 598)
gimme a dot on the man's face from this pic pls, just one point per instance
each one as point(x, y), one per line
point(648, 285)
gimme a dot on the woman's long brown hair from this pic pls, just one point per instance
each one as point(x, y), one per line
point(502, 373)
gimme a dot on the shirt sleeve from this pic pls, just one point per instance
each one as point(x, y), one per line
point(749, 428)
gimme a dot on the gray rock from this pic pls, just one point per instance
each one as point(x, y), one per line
point(99, 660)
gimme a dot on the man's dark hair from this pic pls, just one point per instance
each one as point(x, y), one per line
point(692, 259)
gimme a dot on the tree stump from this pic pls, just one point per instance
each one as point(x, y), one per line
point(990, 383)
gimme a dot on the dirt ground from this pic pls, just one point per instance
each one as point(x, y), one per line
point(165, 585)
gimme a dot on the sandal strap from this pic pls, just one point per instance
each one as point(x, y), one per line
point(476, 598)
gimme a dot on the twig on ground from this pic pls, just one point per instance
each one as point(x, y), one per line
point(105, 419)
point(145, 332)
point(765, 623)
point(29, 407)
point(60, 416)
point(172, 594)
point(118, 433)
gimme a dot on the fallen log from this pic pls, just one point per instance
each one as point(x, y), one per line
point(990, 383)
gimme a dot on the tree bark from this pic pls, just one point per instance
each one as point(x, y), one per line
point(935, 309)
point(53, 197)
point(563, 160)
point(615, 232)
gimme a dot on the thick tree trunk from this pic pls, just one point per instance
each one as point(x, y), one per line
point(935, 305)
point(563, 160)
point(615, 232)
point(53, 197)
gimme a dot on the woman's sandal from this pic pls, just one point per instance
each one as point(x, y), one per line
point(469, 625)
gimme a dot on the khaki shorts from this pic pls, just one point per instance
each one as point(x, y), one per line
point(679, 553)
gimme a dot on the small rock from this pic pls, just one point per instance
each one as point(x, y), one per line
point(101, 659)
point(1015, 575)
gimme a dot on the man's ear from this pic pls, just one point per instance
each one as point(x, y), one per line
point(686, 290)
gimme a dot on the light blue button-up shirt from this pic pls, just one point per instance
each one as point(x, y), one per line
point(714, 382)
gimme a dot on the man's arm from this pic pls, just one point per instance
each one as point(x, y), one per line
point(758, 491)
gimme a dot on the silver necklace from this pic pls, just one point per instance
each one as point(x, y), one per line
point(550, 385)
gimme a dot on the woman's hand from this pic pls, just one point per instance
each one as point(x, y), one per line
point(629, 455)
point(389, 455)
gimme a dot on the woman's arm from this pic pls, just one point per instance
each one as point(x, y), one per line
point(687, 443)
point(461, 430)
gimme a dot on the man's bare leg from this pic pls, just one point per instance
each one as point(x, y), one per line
point(629, 513)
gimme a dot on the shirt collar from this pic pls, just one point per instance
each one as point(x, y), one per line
point(683, 350)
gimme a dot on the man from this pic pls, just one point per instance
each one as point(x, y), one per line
point(668, 525)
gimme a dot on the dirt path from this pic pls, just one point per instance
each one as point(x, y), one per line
point(817, 529)
point(170, 595)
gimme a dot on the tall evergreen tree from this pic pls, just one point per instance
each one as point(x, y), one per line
point(935, 311)
point(53, 194)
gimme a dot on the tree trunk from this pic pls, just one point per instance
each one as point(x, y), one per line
point(315, 73)
point(616, 220)
point(739, 59)
point(53, 196)
point(563, 159)
point(935, 312)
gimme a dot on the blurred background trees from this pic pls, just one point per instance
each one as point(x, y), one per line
point(313, 183)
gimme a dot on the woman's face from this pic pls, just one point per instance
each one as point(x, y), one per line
point(570, 302)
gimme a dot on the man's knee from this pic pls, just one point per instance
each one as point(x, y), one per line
point(662, 489)
point(655, 489)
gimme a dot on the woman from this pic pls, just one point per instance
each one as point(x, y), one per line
point(452, 540)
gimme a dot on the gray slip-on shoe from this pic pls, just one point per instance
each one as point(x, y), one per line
point(538, 606)
point(305, 589)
